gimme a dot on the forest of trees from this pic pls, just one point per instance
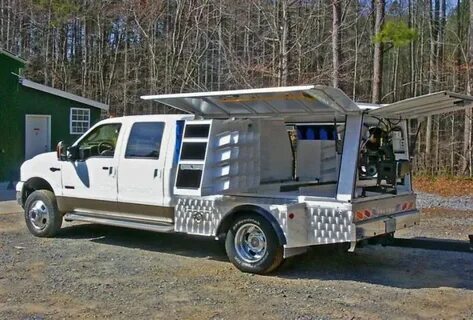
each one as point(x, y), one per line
point(374, 50)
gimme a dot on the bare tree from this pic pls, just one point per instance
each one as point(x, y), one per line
point(379, 6)
point(336, 16)
point(467, 140)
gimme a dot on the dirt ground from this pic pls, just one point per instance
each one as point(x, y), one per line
point(444, 185)
point(93, 271)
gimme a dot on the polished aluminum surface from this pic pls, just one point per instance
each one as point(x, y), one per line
point(351, 146)
point(202, 215)
point(119, 222)
point(330, 225)
point(386, 224)
point(250, 243)
point(301, 103)
point(198, 216)
point(312, 223)
point(426, 105)
point(38, 214)
point(384, 205)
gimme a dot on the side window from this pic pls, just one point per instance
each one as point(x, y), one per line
point(101, 141)
point(145, 140)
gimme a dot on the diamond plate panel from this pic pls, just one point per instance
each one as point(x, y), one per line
point(329, 225)
point(323, 225)
point(197, 216)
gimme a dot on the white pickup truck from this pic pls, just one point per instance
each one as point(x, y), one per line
point(273, 171)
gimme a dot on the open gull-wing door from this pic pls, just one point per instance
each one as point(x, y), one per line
point(423, 106)
point(298, 104)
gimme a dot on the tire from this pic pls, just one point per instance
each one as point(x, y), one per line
point(42, 216)
point(261, 252)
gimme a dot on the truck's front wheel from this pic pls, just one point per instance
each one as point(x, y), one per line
point(42, 216)
point(253, 246)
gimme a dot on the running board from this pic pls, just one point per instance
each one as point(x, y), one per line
point(126, 223)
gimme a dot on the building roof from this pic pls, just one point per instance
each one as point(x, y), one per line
point(13, 56)
point(63, 94)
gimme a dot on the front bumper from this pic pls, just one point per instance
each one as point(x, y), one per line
point(386, 224)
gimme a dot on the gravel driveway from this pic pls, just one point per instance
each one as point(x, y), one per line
point(93, 271)
point(428, 200)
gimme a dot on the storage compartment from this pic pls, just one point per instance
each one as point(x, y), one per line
point(193, 150)
point(197, 131)
point(189, 176)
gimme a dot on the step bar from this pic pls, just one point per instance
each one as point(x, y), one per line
point(120, 222)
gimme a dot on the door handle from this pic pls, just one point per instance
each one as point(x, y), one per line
point(52, 169)
point(157, 173)
point(109, 169)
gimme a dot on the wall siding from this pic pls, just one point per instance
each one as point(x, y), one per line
point(16, 102)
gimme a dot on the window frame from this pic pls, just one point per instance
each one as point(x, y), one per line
point(128, 157)
point(84, 136)
point(71, 110)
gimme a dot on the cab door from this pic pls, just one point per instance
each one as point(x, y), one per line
point(142, 172)
point(90, 184)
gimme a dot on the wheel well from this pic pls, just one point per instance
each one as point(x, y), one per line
point(228, 219)
point(32, 185)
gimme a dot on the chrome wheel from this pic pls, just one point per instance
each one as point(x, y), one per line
point(250, 243)
point(38, 215)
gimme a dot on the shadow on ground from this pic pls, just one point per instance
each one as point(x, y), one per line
point(180, 244)
point(388, 266)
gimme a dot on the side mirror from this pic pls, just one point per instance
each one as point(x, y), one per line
point(73, 153)
point(61, 150)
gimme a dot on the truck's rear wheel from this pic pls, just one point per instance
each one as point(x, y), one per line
point(253, 246)
point(42, 216)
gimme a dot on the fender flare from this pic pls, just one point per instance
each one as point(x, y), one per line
point(225, 222)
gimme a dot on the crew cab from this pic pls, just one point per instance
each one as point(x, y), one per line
point(272, 171)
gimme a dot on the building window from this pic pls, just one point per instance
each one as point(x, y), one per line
point(80, 120)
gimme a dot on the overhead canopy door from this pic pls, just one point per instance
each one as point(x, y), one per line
point(297, 104)
point(423, 106)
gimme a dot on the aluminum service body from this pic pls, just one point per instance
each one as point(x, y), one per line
point(314, 220)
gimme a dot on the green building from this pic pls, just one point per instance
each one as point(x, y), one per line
point(35, 117)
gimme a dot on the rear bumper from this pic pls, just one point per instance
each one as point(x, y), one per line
point(386, 224)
